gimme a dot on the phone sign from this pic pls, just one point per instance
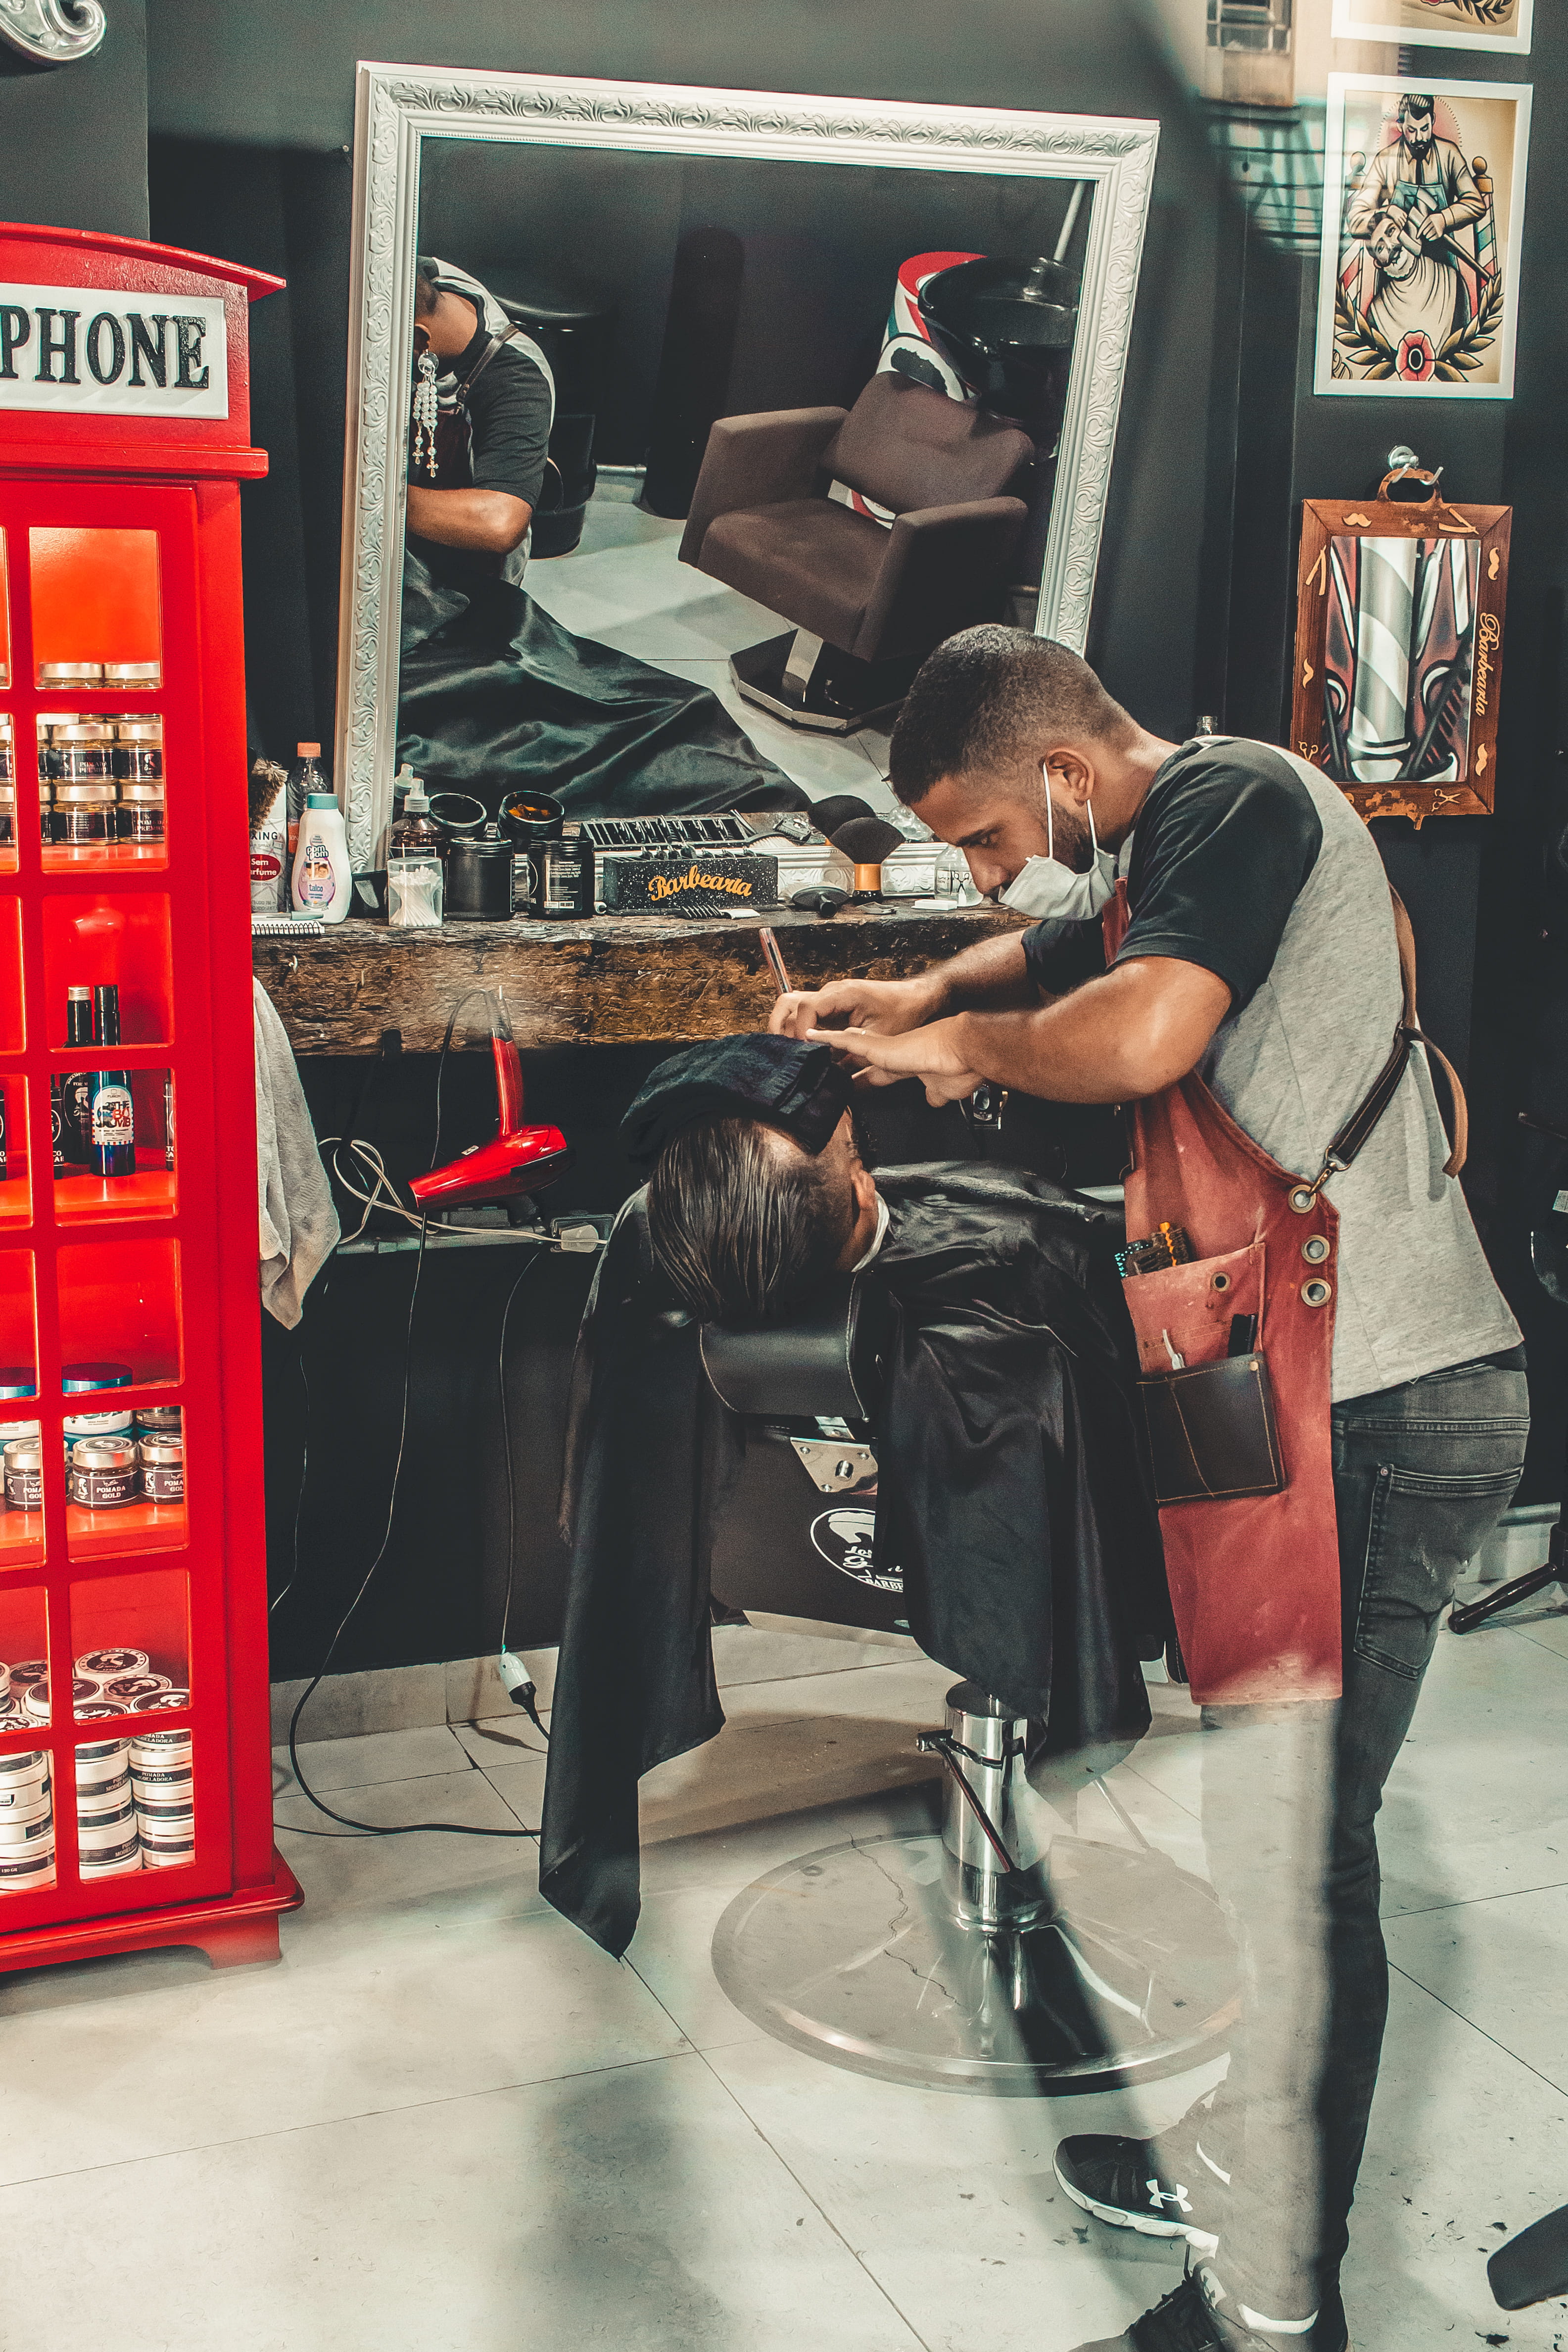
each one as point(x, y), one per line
point(97, 351)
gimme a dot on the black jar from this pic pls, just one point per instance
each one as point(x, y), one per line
point(561, 878)
point(86, 753)
point(84, 815)
point(139, 816)
point(480, 881)
point(137, 751)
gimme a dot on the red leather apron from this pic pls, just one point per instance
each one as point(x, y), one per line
point(1254, 1581)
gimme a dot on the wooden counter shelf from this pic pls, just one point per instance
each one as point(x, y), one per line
point(616, 980)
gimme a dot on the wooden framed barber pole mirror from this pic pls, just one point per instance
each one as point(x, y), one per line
point(1399, 645)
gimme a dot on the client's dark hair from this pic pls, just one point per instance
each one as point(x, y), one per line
point(990, 695)
point(426, 293)
point(743, 1225)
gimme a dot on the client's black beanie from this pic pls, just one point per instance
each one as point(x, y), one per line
point(799, 1088)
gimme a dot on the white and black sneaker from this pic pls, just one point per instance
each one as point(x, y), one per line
point(1164, 2187)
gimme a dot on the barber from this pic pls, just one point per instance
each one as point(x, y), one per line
point(484, 400)
point(1217, 949)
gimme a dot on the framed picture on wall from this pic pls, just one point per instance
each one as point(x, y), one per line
point(1401, 601)
point(1423, 209)
point(1501, 27)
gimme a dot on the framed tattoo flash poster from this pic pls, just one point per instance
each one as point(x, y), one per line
point(1423, 208)
point(1502, 28)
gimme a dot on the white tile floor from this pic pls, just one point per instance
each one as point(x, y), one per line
point(626, 586)
point(446, 2123)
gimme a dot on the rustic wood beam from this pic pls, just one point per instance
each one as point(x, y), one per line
point(616, 980)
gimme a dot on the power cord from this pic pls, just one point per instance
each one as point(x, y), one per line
point(520, 1689)
point(406, 1829)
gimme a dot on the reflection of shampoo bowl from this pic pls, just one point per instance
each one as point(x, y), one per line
point(1010, 326)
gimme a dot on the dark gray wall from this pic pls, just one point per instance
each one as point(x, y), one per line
point(73, 139)
point(258, 76)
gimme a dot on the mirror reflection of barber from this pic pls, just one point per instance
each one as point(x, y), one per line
point(483, 402)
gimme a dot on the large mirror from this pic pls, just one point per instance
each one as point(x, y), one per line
point(684, 422)
point(1401, 601)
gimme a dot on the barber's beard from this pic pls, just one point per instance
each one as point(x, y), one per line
point(1074, 844)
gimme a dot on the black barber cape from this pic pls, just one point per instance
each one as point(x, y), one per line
point(1010, 1494)
point(492, 694)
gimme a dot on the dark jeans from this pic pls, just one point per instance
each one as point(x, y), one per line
point(1290, 1800)
point(1421, 1474)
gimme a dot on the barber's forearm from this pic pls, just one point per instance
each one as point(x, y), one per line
point(488, 523)
point(991, 977)
point(1116, 1039)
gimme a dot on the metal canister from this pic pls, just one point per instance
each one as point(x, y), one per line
point(101, 1476)
point(163, 1469)
point(66, 673)
point(25, 1474)
point(136, 673)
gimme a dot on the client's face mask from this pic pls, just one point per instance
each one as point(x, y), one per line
point(1044, 887)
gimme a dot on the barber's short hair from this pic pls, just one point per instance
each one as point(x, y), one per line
point(989, 696)
point(743, 1225)
point(1416, 102)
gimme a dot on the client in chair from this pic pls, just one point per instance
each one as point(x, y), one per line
point(1010, 1497)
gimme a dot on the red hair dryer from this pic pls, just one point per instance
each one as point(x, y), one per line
point(518, 1159)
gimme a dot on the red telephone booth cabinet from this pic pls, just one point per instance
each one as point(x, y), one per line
point(135, 1791)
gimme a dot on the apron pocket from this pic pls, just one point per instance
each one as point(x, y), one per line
point(1191, 1306)
point(1212, 1436)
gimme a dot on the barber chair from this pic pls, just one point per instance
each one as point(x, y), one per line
point(867, 604)
point(999, 1952)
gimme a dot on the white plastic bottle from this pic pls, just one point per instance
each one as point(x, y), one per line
point(320, 880)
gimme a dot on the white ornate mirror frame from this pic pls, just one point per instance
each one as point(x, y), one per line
point(397, 107)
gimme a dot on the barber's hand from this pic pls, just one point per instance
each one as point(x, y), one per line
point(885, 1007)
point(931, 1054)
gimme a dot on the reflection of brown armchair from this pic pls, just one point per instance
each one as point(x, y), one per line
point(867, 604)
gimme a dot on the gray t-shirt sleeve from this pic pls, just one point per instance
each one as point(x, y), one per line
point(1222, 847)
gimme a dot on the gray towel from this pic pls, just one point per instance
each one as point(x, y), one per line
point(299, 1223)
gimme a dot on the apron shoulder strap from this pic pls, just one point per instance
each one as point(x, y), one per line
point(506, 335)
point(1350, 1138)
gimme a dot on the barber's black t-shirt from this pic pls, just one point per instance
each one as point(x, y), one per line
point(1222, 847)
point(508, 406)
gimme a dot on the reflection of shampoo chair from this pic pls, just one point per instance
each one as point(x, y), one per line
point(1001, 1953)
point(575, 336)
point(866, 605)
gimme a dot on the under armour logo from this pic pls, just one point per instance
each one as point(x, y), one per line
point(1176, 2197)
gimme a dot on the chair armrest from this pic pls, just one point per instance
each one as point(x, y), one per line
point(945, 567)
point(757, 461)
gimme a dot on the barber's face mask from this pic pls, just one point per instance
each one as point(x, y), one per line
point(1044, 887)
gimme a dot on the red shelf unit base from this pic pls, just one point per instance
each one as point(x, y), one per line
point(233, 1930)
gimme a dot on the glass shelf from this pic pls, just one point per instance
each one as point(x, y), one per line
point(96, 600)
point(16, 1189)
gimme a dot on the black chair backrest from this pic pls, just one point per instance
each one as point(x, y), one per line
point(907, 448)
point(823, 1364)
